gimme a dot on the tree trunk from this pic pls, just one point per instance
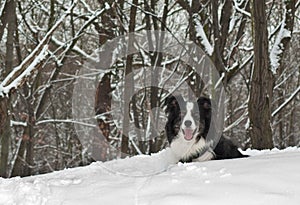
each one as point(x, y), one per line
point(18, 165)
point(4, 136)
point(9, 18)
point(285, 42)
point(128, 83)
point(262, 83)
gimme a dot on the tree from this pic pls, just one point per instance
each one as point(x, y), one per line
point(283, 35)
point(20, 161)
point(262, 83)
point(129, 84)
point(8, 19)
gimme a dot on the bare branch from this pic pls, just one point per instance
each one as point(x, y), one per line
point(293, 95)
point(16, 77)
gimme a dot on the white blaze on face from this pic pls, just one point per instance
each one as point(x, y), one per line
point(188, 125)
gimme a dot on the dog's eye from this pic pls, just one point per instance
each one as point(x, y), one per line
point(176, 129)
point(196, 115)
point(182, 113)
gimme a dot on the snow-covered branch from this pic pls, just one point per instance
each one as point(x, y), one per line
point(75, 49)
point(2, 7)
point(201, 34)
point(243, 11)
point(15, 123)
point(286, 102)
point(65, 121)
point(16, 77)
point(236, 122)
point(277, 49)
point(95, 15)
point(37, 60)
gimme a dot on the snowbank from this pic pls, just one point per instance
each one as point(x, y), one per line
point(268, 177)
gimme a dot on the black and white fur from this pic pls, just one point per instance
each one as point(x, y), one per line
point(187, 127)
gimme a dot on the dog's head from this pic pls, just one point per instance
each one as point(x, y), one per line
point(189, 120)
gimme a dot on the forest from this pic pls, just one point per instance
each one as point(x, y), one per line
point(85, 80)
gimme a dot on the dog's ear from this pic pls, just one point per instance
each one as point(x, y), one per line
point(171, 103)
point(205, 107)
point(204, 103)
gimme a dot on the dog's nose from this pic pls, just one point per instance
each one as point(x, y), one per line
point(187, 123)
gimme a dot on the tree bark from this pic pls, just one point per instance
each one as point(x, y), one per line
point(129, 83)
point(9, 18)
point(4, 136)
point(289, 25)
point(262, 83)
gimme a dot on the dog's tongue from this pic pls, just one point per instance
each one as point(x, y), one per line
point(188, 134)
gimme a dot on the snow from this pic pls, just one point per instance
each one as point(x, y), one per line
point(3, 3)
point(16, 123)
point(277, 48)
point(242, 11)
point(5, 89)
point(201, 33)
point(267, 177)
point(232, 22)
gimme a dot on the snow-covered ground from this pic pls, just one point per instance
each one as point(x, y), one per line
point(267, 177)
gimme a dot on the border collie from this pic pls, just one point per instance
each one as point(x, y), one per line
point(187, 128)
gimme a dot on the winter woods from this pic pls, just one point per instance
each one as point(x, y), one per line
point(253, 44)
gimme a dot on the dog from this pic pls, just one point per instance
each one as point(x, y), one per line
point(187, 127)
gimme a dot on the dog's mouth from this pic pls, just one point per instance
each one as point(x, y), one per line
point(188, 133)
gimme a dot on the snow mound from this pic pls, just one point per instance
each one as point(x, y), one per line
point(142, 165)
point(267, 177)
